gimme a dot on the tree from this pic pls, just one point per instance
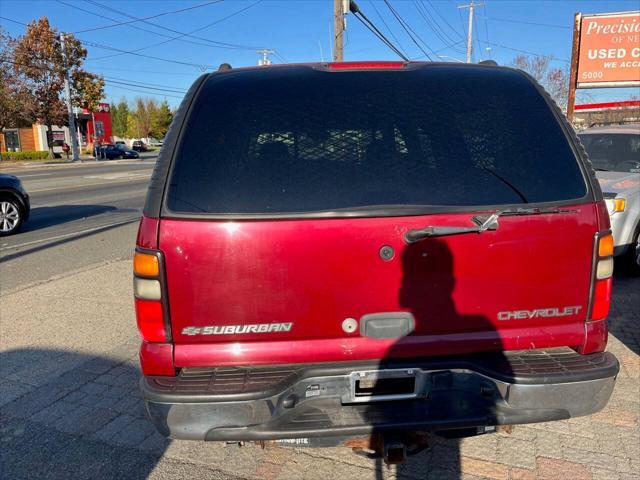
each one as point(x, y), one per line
point(13, 109)
point(147, 119)
point(40, 64)
point(119, 117)
point(143, 115)
point(162, 119)
point(87, 90)
point(554, 80)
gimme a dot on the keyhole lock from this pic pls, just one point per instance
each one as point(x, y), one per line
point(386, 253)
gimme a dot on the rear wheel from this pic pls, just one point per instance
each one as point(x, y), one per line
point(11, 216)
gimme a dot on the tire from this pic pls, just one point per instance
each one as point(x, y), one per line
point(11, 215)
point(632, 256)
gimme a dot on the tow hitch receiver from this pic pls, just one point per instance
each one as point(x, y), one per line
point(394, 448)
point(394, 451)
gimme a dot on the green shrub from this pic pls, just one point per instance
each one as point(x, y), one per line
point(26, 155)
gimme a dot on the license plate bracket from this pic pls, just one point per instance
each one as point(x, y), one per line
point(383, 385)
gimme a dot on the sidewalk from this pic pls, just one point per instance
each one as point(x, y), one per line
point(70, 406)
point(84, 160)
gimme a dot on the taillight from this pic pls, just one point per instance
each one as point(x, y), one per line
point(152, 311)
point(600, 298)
point(603, 270)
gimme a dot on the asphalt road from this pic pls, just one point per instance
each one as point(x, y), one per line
point(80, 215)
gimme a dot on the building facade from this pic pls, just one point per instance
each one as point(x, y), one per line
point(92, 127)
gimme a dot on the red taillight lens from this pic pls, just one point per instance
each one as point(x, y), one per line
point(364, 65)
point(601, 299)
point(150, 317)
point(596, 331)
point(150, 296)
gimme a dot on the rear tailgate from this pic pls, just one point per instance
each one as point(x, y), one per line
point(284, 217)
point(523, 286)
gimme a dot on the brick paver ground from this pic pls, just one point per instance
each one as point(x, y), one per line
point(83, 418)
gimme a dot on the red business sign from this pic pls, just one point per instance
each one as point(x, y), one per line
point(609, 50)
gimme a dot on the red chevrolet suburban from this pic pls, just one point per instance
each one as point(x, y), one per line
point(339, 249)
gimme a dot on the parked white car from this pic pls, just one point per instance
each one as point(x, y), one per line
point(615, 154)
point(154, 142)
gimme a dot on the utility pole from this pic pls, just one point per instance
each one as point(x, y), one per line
point(338, 29)
point(67, 94)
point(265, 60)
point(470, 6)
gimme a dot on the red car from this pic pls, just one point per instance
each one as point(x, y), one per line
point(351, 249)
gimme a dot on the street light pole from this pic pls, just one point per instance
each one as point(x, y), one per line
point(67, 94)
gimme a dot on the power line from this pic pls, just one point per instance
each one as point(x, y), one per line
point(147, 92)
point(464, 28)
point(136, 83)
point(408, 30)
point(564, 60)
point(135, 27)
point(107, 47)
point(152, 57)
point(381, 37)
point(440, 50)
point(433, 7)
point(180, 36)
point(452, 44)
point(193, 7)
point(282, 59)
point(524, 22)
point(432, 23)
point(159, 72)
point(373, 4)
point(214, 42)
point(429, 23)
point(142, 86)
point(14, 21)
point(211, 43)
point(362, 18)
point(110, 79)
point(118, 84)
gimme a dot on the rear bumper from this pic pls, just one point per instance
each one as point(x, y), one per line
point(268, 403)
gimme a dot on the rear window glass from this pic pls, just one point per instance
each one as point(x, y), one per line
point(299, 140)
